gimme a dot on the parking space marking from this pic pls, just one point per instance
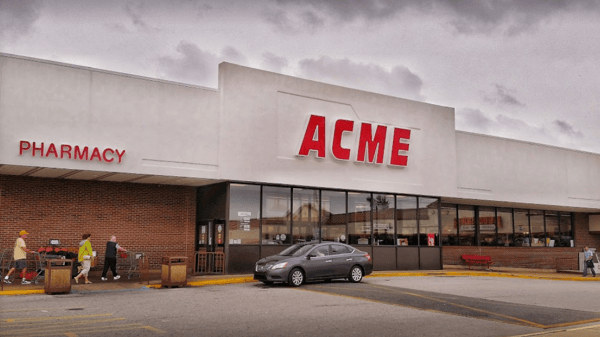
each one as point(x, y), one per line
point(50, 318)
point(395, 304)
point(504, 312)
point(68, 325)
point(593, 330)
point(526, 322)
point(36, 309)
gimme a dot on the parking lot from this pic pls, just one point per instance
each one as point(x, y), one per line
point(384, 306)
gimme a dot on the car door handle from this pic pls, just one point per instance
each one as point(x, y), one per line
point(328, 261)
point(350, 259)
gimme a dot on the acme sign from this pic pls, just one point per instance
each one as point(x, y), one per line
point(67, 151)
point(370, 147)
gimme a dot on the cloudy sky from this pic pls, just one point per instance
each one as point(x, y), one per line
point(521, 69)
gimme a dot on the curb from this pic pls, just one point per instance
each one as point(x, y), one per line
point(232, 280)
point(250, 279)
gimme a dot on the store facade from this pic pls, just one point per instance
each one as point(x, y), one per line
point(268, 160)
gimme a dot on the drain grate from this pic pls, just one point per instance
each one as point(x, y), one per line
point(75, 309)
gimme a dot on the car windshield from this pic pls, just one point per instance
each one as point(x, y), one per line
point(296, 250)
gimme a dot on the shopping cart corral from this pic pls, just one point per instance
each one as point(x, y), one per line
point(131, 262)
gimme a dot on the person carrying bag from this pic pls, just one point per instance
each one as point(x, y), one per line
point(85, 258)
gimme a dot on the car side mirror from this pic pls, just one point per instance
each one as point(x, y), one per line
point(308, 257)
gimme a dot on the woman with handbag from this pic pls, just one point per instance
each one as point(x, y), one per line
point(85, 258)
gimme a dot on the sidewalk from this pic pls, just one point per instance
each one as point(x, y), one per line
point(134, 283)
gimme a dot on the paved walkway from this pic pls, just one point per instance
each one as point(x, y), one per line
point(154, 281)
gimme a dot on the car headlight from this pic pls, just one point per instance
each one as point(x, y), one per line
point(278, 265)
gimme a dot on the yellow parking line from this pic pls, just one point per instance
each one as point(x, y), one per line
point(147, 327)
point(49, 318)
point(37, 309)
point(400, 305)
point(85, 330)
point(465, 307)
point(557, 331)
point(49, 326)
point(573, 323)
point(518, 320)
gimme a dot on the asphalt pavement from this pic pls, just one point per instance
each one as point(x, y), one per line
point(153, 281)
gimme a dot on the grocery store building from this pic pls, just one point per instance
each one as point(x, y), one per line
point(267, 160)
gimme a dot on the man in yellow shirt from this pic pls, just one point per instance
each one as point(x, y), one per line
point(20, 257)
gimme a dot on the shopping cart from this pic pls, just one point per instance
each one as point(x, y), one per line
point(41, 261)
point(130, 261)
point(6, 257)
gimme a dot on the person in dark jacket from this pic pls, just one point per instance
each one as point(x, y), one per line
point(110, 258)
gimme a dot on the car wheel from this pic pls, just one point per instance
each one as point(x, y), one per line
point(296, 277)
point(356, 274)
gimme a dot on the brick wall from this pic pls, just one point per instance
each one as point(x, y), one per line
point(529, 257)
point(156, 219)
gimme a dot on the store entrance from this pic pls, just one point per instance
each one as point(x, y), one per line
point(210, 243)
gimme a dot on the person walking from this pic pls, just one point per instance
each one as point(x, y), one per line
point(20, 257)
point(85, 258)
point(110, 258)
point(588, 262)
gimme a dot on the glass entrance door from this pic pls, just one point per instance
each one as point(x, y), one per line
point(210, 244)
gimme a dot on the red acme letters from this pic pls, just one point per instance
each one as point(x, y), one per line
point(371, 147)
point(66, 151)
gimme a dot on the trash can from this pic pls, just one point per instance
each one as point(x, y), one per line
point(58, 276)
point(174, 271)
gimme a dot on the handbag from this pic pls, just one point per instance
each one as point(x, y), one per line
point(590, 263)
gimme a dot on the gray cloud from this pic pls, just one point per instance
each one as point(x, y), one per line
point(293, 23)
point(503, 97)
point(399, 81)
point(558, 133)
point(17, 18)
point(272, 62)
point(232, 55)
point(196, 66)
point(511, 17)
point(474, 120)
point(567, 129)
point(136, 17)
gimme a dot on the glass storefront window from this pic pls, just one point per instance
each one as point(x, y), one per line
point(428, 221)
point(487, 226)
point(276, 215)
point(566, 230)
point(359, 218)
point(536, 223)
point(449, 228)
point(522, 238)
point(383, 219)
point(305, 217)
point(466, 225)
point(333, 216)
point(552, 229)
point(244, 214)
point(504, 222)
point(406, 221)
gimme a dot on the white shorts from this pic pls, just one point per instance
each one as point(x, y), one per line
point(86, 264)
